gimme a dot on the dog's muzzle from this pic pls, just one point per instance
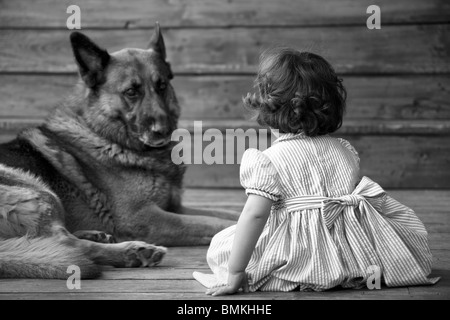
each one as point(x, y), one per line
point(152, 140)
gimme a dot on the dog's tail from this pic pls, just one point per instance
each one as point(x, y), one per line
point(46, 258)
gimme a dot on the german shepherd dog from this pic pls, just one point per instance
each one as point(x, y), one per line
point(101, 161)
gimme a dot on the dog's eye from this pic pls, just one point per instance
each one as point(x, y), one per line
point(131, 93)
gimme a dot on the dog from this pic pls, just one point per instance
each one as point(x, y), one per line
point(95, 183)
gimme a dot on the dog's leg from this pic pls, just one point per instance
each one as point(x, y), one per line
point(155, 225)
point(128, 254)
point(123, 255)
point(95, 236)
point(218, 213)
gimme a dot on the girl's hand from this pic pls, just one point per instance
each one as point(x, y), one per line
point(236, 281)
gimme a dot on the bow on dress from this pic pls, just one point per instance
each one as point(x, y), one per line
point(367, 194)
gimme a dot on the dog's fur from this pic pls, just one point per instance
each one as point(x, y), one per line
point(102, 161)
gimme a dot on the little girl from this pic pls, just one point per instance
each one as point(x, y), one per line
point(310, 222)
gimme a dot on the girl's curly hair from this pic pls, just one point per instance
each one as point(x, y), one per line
point(298, 91)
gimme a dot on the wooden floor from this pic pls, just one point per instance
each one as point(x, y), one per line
point(173, 278)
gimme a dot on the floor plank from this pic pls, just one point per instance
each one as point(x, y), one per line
point(401, 293)
point(399, 49)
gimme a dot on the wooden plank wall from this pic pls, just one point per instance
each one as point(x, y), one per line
point(398, 77)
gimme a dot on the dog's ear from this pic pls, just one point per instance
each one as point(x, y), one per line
point(157, 42)
point(91, 59)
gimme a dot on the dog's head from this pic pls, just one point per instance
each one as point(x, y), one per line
point(127, 95)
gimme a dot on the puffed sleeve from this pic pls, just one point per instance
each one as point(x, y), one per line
point(259, 176)
point(347, 144)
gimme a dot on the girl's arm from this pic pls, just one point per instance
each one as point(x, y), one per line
point(249, 227)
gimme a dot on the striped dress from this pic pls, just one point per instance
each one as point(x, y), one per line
point(327, 226)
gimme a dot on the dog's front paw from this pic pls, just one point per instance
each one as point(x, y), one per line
point(141, 254)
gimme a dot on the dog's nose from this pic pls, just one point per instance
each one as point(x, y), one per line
point(157, 128)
